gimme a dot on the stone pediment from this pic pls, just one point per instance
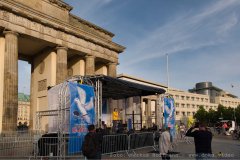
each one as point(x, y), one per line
point(61, 4)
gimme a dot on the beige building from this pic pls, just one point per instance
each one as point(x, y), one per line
point(23, 109)
point(56, 43)
point(186, 103)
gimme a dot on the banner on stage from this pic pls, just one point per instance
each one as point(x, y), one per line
point(82, 114)
point(169, 115)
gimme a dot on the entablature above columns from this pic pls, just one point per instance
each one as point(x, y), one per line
point(27, 27)
point(85, 33)
point(10, 32)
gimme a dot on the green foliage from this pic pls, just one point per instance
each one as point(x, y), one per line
point(201, 114)
point(222, 112)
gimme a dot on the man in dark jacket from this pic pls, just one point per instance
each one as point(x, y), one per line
point(202, 140)
point(91, 145)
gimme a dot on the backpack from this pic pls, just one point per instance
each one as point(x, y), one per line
point(89, 148)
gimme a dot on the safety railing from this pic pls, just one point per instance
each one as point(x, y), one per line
point(141, 140)
point(114, 143)
point(24, 133)
point(20, 147)
point(41, 147)
point(49, 147)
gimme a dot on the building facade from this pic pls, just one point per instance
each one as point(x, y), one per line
point(186, 103)
point(23, 109)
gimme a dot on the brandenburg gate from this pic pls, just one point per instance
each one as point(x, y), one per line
point(56, 43)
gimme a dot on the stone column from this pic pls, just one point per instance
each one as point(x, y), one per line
point(61, 64)
point(10, 91)
point(32, 113)
point(148, 113)
point(90, 65)
point(112, 69)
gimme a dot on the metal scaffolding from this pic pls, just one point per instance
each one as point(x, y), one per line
point(63, 109)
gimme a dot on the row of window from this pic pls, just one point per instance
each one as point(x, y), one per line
point(23, 115)
point(177, 97)
point(230, 103)
point(22, 118)
point(193, 106)
point(183, 113)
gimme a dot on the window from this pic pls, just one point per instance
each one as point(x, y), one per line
point(193, 106)
point(188, 113)
point(177, 105)
point(183, 113)
point(187, 98)
point(183, 105)
point(177, 113)
point(182, 97)
point(177, 97)
point(188, 105)
point(193, 113)
point(192, 98)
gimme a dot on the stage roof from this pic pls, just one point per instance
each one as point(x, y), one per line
point(119, 89)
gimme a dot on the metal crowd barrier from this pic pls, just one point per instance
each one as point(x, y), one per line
point(47, 146)
point(16, 147)
point(24, 133)
point(141, 140)
point(123, 142)
point(114, 143)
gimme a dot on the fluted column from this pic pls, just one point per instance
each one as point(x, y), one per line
point(61, 64)
point(112, 69)
point(90, 65)
point(32, 109)
point(148, 113)
point(10, 91)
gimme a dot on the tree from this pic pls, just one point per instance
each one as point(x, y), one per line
point(201, 115)
point(212, 116)
point(237, 114)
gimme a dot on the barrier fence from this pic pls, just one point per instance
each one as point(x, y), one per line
point(40, 147)
point(141, 140)
point(16, 147)
point(114, 143)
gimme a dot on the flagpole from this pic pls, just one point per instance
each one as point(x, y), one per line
point(167, 75)
point(234, 112)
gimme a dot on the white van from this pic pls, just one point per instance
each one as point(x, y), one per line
point(231, 126)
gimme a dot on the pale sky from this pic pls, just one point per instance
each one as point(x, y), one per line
point(202, 38)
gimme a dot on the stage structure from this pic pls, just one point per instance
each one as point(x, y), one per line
point(59, 110)
point(104, 87)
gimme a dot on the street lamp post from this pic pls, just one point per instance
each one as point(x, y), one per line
point(234, 112)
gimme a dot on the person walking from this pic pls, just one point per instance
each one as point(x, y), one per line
point(165, 144)
point(182, 129)
point(202, 140)
point(92, 144)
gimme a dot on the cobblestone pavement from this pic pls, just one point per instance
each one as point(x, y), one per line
point(223, 147)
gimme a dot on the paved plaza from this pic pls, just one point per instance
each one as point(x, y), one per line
point(223, 147)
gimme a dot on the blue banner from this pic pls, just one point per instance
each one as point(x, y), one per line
point(169, 115)
point(82, 114)
point(129, 124)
